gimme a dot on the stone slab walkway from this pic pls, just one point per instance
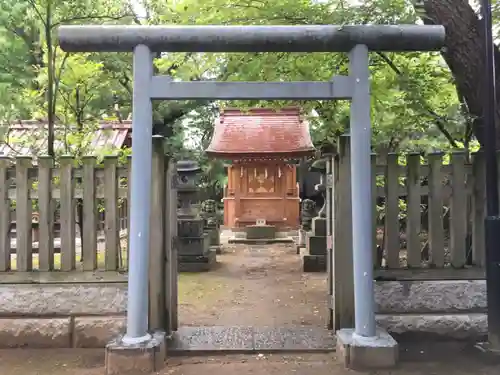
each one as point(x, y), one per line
point(251, 339)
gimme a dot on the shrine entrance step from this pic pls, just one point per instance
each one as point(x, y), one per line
point(260, 241)
point(232, 340)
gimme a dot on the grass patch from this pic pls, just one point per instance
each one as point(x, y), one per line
point(201, 288)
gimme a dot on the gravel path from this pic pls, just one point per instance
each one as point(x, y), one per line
point(258, 286)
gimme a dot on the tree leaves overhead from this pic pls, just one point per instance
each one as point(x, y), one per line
point(413, 95)
point(415, 105)
point(48, 83)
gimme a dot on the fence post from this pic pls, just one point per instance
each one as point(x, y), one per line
point(5, 264)
point(112, 235)
point(89, 235)
point(46, 214)
point(343, 291)
point(413, 213)
point(68, 256)
point(478, 208)
point(458, 217)
point(129, 189)
point(157, 281)
point(435, 211)
point(391, 220)
point(330, 194)
point(377, 257)
point(24, 246)
point(171, 244)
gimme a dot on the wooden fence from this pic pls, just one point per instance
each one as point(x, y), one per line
point(38, 192)
point(39, 200)
point(428, 221)
point(428, 215)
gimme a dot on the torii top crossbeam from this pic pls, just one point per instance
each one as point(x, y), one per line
point(313, 38)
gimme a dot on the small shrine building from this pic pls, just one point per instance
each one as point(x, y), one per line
point(262, 178)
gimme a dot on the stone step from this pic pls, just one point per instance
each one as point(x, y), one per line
point(314, 263)
point(198, 263)
point(262, 241)
point(217, 339)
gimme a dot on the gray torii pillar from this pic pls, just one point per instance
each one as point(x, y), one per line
point(357, 40)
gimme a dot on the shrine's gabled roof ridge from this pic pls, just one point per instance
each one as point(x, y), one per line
point(260, 133)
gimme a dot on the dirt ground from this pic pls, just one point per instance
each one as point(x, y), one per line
point(421, 359)
point(255, 286)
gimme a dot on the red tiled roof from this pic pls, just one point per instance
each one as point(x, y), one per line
point(260, 132)
point(29, 137)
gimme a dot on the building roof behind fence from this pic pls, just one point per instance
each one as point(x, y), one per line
point(29, 138)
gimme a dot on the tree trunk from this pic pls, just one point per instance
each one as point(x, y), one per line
point(464, 54)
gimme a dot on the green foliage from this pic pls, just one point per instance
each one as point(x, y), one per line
point(414, 101)
point(415, 107)
point(43, 82)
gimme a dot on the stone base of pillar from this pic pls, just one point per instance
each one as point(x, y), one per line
point(246, 241)
point(136, 359)
point(359, 353)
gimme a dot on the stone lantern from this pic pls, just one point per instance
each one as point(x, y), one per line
point(211, 221)
point(320, 166)
point(188, 172)
point(194, 250)
point(316, 240)
point(307, 213)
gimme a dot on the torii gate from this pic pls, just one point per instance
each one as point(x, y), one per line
point(356, 40)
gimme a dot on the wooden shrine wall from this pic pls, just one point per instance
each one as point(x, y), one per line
point(262, 191)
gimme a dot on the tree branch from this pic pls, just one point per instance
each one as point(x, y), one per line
point(124, 80)
point(38, 13)
point(440, 121)
point(90, 17)
point(67, 101)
